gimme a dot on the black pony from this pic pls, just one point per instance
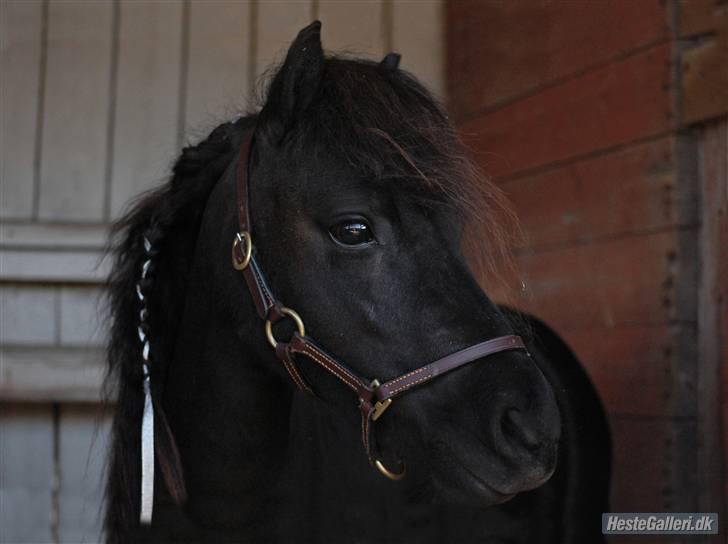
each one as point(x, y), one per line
point(359, 192)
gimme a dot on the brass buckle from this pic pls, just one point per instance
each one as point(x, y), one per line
point(381, 405)
point(243, 238)
point(287, 312)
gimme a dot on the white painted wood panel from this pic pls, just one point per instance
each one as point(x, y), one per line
point(53, 266)
point(20, 62)
point(418, 34)
point(278, 23)
point(26, 473)
point(81, 317)
point(74, 149)
point(51, 374)
point(181, 69)
point(147, 104)
point(217, 85)
point(355, 26)
point(83, 439)
point(28, 315)
point(53, 236)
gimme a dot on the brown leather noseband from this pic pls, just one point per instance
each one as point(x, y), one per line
point(374, 397)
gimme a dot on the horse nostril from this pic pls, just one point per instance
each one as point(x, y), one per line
point(517, 428)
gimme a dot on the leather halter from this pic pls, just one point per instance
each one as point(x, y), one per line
point(374, 398)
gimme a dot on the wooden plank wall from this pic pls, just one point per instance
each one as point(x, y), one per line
point(96, 99)
point(703, 101)
point(584, 114)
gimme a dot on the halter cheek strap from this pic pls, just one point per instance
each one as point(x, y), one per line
point(374, 397)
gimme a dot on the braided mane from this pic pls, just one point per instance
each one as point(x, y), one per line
point(169, 217)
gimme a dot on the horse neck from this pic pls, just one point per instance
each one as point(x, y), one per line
point(230, 420)
point(228, 406)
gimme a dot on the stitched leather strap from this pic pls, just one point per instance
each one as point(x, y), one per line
point(424, 374)
point(369, 393)
point(254, 278)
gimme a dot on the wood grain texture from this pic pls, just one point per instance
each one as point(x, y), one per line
point(631, 380)
point(418, 35)
point(705, 77)
point(698, 17)
point(499, 51)
point(81, 317)
point(76, 111)
point(21, 26)
point(644, 476)
point(628, 191)
point(148, 94)
point(619, 282)
point(217, 87)
point(620, 103)
point(576, 117)
point(28, 315)
point(354, 26)
point(277, 25)
point(713, 320)
point(703, 29)
point(83, 439)
point(51, 374)
point(53, 265)
point(114, 112)
point(50, 236)
point(26, 473)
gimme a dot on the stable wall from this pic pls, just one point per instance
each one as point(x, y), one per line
point(96, 100)
point(604, 122)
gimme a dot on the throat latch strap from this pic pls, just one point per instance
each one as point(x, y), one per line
point(374, 398)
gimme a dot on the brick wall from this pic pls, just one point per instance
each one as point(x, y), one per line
point(587, 116)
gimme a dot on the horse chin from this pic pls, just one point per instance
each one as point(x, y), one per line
point(456, 484)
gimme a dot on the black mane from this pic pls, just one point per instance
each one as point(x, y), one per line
point(169, 217)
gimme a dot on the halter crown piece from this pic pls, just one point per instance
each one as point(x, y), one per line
point(374, 397)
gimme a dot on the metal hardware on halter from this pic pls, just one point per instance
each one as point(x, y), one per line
point(375, 398)
point(242, 237)
point(284, 312)
point(379, 408)
point(381, 405)
point(388, 473)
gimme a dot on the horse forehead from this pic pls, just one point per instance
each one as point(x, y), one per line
point(311, 174)
point(318, 178)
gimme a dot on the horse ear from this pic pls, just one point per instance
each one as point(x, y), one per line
point(391, 61)
point(294, 86)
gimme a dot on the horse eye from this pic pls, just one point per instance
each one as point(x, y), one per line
point(352, 232)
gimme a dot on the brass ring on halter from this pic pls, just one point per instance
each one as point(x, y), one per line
point(242, 238)
point(287, 312)
point(388, 473)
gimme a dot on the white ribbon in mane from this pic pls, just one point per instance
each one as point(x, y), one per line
point(147, 483)
point(145, 515)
